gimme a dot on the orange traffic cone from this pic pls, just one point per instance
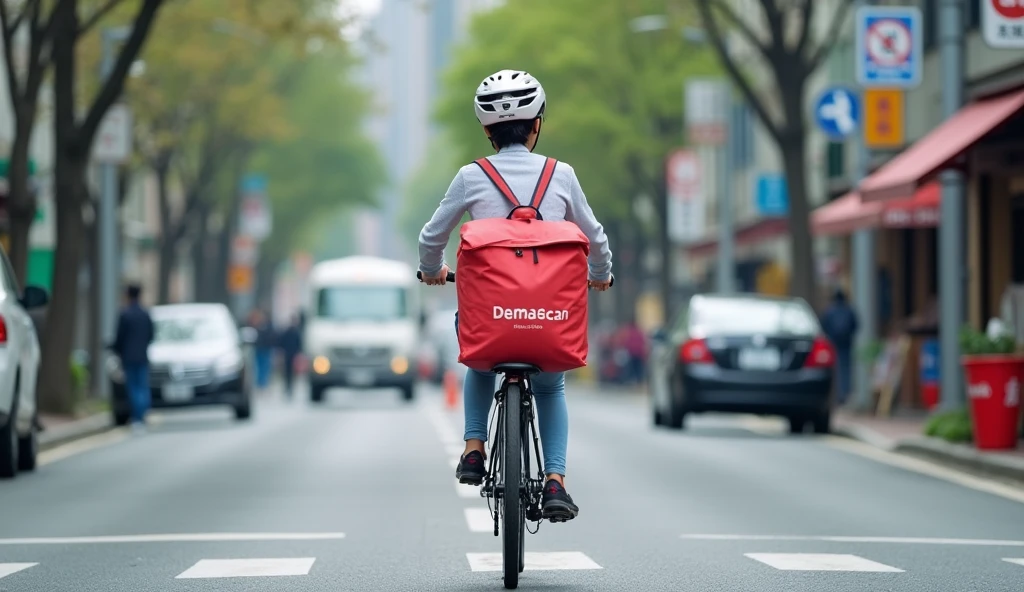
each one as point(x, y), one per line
point(451, 389)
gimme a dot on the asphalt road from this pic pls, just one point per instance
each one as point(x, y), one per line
point(359, 495)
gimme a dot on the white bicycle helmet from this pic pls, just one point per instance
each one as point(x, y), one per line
point(508, 95)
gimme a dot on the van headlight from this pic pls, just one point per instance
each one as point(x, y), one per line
point(399, 364)
point(228, 365)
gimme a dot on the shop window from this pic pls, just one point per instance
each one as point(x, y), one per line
point(836, 160)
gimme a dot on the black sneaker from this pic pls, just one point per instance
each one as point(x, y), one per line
point(557, 504)
point(471, 469)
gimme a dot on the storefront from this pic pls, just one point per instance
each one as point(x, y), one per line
point(759, 252)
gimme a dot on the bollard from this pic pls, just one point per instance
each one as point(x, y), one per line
point(451, 389)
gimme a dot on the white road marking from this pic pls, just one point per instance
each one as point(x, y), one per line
point(242, 568)
point(467, 491)
point(855, 539)
point(444, 428)
point(534, 561)
point(7, 569)
point(179, 538)
point(1015, 560)
point(83, 445)
point(927, 468)
point(479, 520)
point(820, 562)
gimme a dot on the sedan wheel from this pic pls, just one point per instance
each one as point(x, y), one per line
point(796, 425)
point(9, 445)
point(28, 449)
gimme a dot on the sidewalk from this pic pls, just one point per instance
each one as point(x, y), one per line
point(60, 429)
point(906, 435)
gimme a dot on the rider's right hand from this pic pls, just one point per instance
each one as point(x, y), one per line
point(439, 279)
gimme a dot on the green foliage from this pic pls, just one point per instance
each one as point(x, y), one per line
point(952, 426)
point(976, 343)
point(614, 96)
point(870, 352)
point(79, 379)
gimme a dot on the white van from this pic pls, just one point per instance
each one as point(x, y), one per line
point(363, 325)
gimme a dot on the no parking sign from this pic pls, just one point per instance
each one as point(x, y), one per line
point(889, 46)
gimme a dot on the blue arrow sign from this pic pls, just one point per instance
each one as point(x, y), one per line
point(837, 112)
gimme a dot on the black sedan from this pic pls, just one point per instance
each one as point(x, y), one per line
point(743, 354)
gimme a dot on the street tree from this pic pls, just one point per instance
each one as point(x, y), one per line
point(781, 34)
point(614, 109)
point(75, 126)
point(26, 28)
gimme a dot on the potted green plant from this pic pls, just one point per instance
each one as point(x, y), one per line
point(994, 372)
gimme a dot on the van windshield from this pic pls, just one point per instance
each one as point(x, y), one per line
point(362, 303)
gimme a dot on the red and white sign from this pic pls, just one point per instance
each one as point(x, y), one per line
point(113, 141)
point(889, 42)
point(686, 207)
point(1003, 23)
point(244, 251)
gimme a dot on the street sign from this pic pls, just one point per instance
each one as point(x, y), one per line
point(837, 112)
point(240, 279)
point(1003, 23)
point(884, 125)
point(771, 195)
point(706, 107)
point(889, 46)
point(686, 196)
point(244, 251)
point(254, 211)
point(113, 141)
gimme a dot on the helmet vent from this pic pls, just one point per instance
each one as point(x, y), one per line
point(527, 101)
point(487, 107)
point(515, 75)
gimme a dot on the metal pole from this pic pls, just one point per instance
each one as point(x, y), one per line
point(865, 292)
point(726, 236)
point(951, 236)
point(105, 225)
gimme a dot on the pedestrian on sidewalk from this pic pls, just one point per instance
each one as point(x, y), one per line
point(840, 324)
point(290, 343)
point(635, 343)
point(131, 344)
point(266, 339)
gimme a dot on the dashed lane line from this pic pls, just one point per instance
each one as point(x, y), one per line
point(856, 539)
point(212, 537)
point(821, 562)
point(246, 568)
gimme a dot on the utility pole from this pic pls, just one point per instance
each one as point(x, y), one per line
point(106, 225)
point(726, 278)
point(951, 234)
point(865, 293)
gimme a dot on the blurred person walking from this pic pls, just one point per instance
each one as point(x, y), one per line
point(840, 324)
point(131, 344)
point(264, 347)
point(290, 343)
point(635, 344)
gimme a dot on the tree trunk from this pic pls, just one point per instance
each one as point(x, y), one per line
point(200, 265)
point(794, 151)
point(92, 262)
point(667, 287)
point(55, 393)
point(21, 202)
point(167, 239)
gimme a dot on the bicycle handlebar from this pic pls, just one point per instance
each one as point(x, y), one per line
point(451, 277)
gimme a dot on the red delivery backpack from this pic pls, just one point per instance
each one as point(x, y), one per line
point(522, 286)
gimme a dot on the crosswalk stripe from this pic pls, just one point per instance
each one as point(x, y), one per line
point(1015, 560)
point(241, 568)
point(820, 562)
point(467, 491)
point(7, 569)
point(479, 520)
point(534, 561)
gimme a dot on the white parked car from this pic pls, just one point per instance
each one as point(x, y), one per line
point(19, 367)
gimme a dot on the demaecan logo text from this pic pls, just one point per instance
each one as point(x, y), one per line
point(530, 314)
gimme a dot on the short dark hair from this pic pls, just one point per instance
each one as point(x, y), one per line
point(134, 291)
point(508, 133)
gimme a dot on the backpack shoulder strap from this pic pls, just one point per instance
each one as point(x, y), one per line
point(496, 178)
point(542, 183)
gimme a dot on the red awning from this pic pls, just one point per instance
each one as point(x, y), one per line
point(763, 229)
point(902, 175)
point(849, 213)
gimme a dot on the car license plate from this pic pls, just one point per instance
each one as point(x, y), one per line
point(759, 359)
point(177, 392)
point(360, 378)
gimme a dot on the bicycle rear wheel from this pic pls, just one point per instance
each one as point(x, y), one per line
point(512, 477)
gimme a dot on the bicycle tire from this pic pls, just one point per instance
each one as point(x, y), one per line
point(511, 475)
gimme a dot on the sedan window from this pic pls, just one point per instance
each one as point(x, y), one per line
point(744, 317)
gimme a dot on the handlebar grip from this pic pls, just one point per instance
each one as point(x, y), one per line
point(449, 278)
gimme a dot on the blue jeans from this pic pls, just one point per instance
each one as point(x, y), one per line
point(136, 382)
point(264, 362)
point(552, 412)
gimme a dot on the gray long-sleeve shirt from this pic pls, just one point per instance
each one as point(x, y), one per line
point(471, 191)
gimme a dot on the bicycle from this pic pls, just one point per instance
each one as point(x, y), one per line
point(509, 465)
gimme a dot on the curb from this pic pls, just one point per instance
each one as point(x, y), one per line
point(985, 464)
point(89, 425)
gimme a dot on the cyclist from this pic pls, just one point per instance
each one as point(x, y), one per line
point(510, 106)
